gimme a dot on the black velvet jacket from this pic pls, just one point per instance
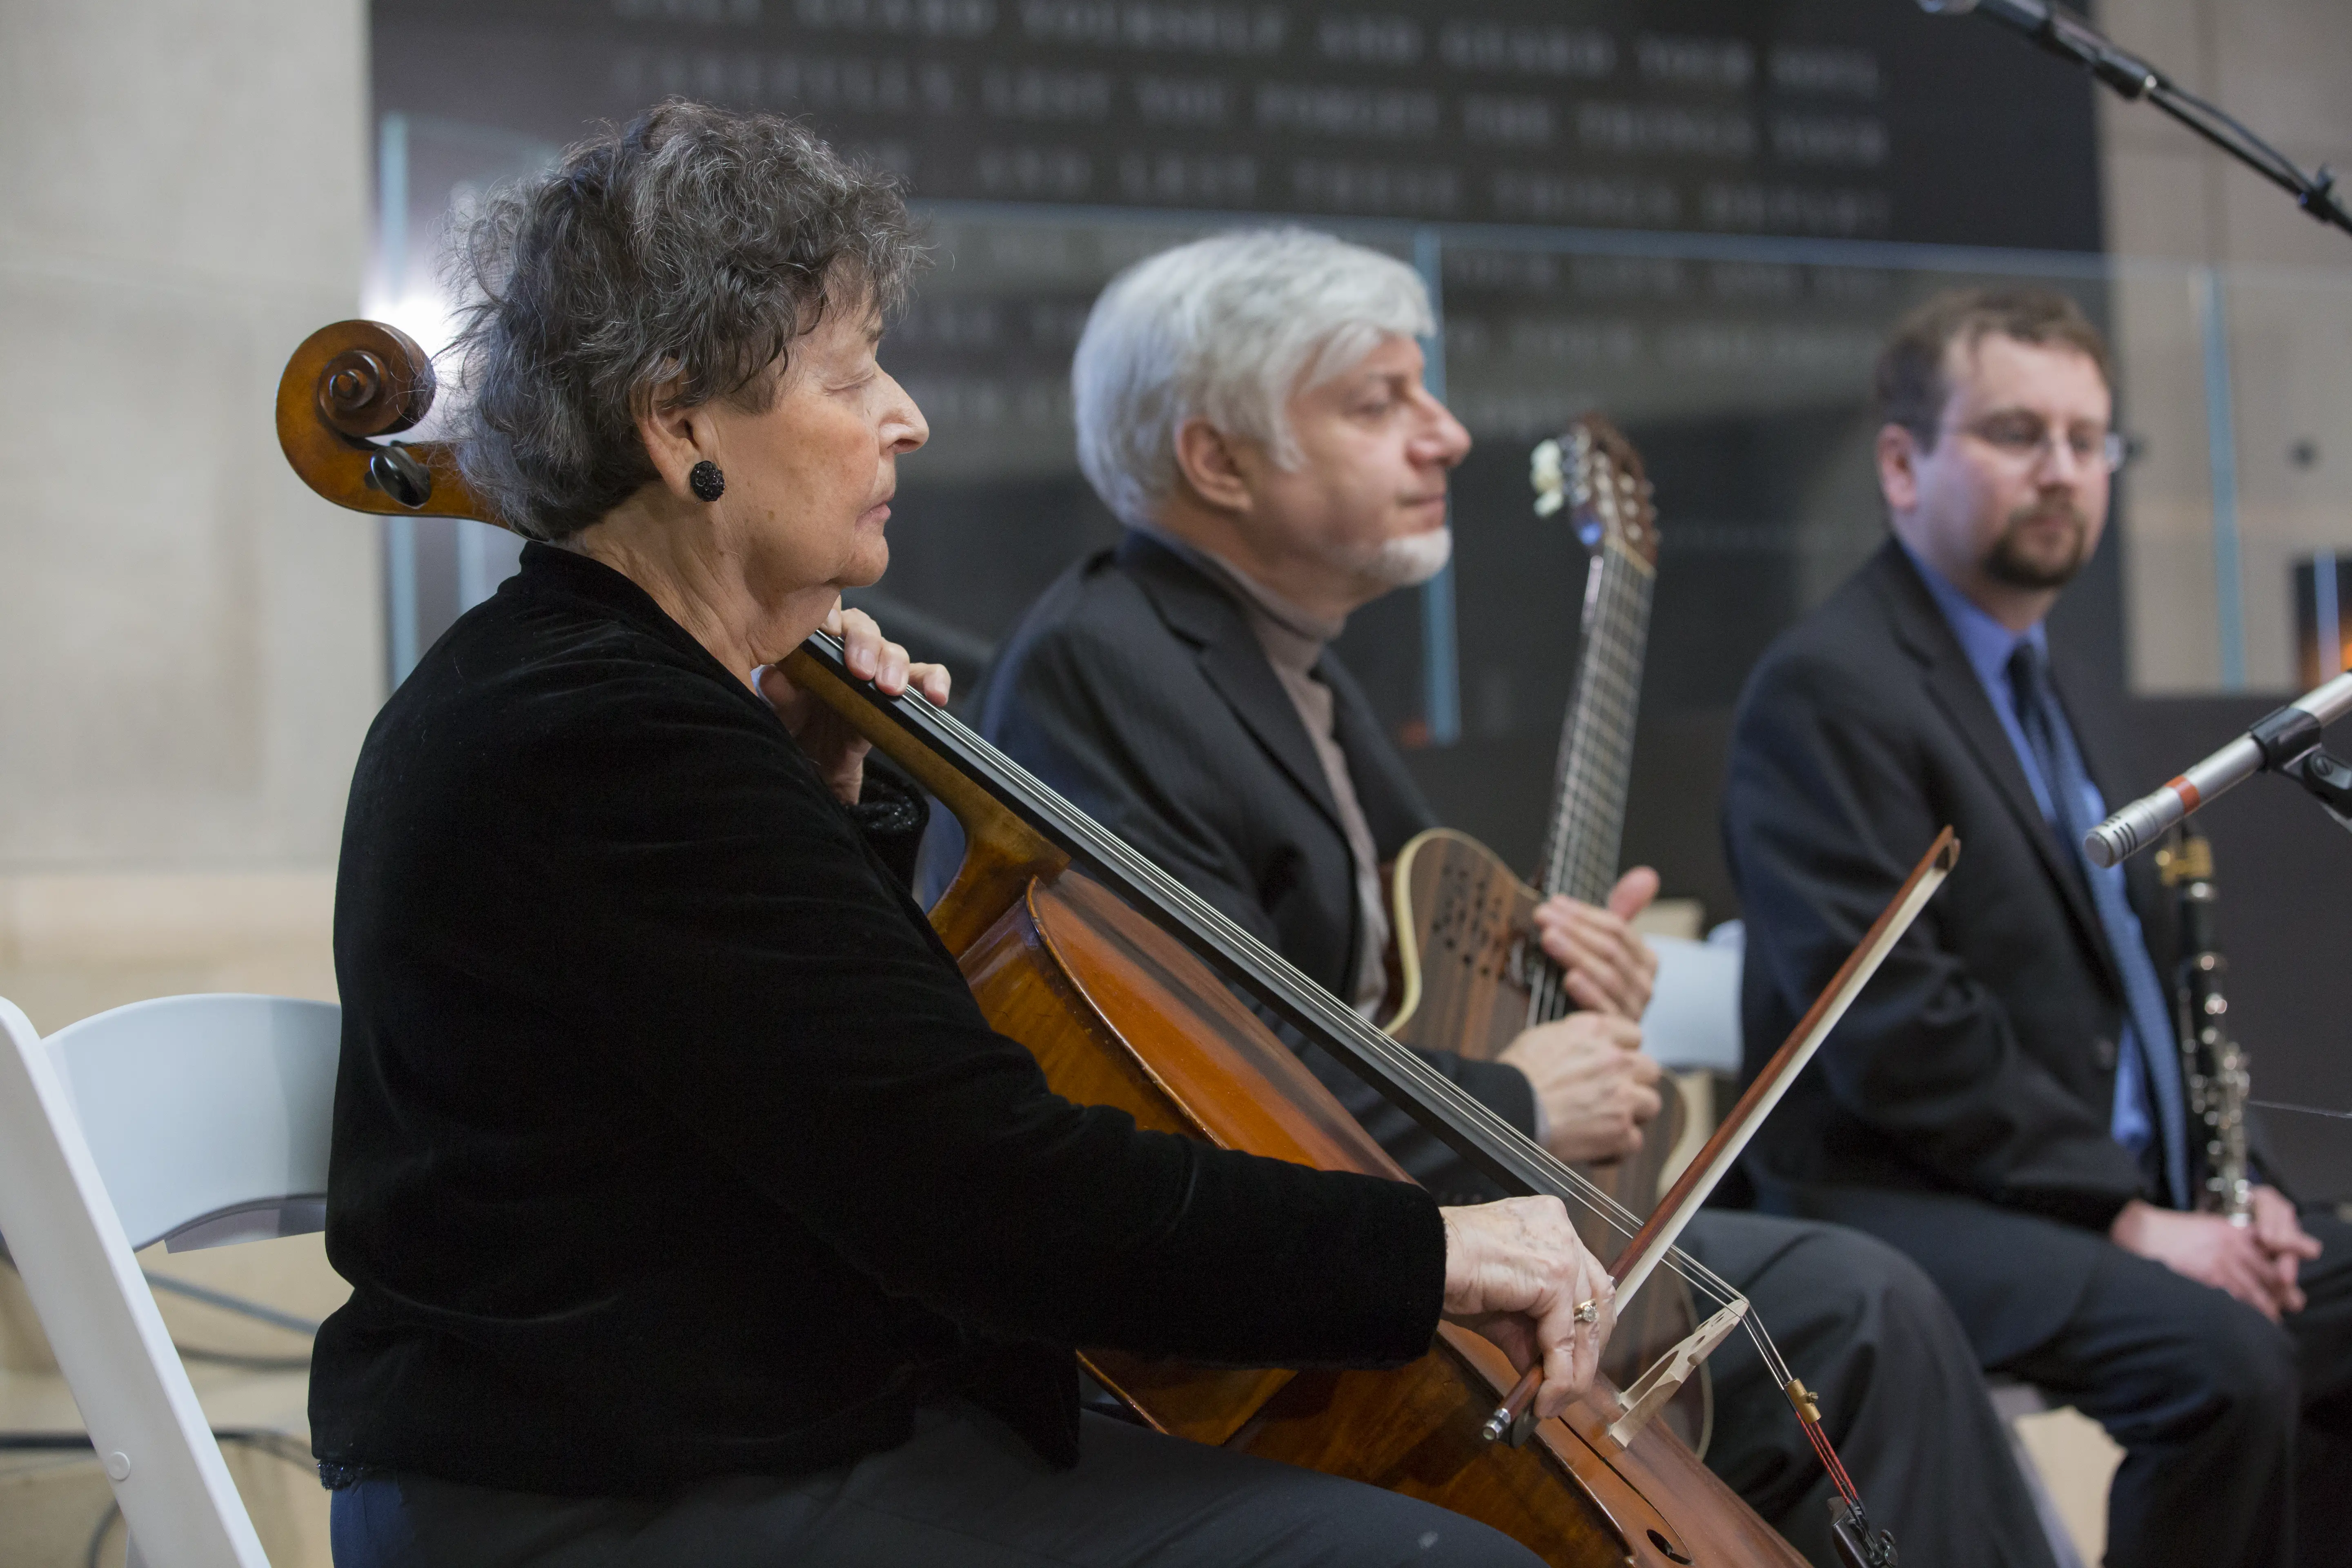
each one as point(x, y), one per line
point(668, 1141)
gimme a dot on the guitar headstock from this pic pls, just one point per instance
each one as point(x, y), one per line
point(1591, 469)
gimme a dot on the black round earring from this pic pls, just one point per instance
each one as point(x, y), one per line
point(704, 480)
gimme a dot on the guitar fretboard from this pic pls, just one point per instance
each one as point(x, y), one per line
point(1587, 830)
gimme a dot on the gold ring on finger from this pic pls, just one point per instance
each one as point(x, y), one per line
point(1587, 1311)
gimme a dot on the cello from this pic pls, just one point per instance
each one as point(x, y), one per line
point(1116, 977)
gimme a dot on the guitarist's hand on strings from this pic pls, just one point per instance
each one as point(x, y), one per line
point(1594, 1088)
point(1516, 1272)
point(838, 749)
point(1609, 968)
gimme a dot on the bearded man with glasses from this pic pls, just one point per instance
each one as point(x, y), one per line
point(2005, 1103)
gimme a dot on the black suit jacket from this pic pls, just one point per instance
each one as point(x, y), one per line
point(1981, 1061)
point(668, 1141)
point(1136, 686)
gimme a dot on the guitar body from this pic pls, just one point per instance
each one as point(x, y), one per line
point(1465, 944)
point(1464, 924)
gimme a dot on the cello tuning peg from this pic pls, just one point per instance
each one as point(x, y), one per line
point(395, 471)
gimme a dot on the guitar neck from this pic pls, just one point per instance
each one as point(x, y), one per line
point(1587, 829)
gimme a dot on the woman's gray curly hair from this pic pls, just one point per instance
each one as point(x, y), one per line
point(689, 247)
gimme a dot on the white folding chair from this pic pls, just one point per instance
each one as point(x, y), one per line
point(198, 1121)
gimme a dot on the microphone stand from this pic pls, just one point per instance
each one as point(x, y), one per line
point(2071, 38)
point(2327, 778)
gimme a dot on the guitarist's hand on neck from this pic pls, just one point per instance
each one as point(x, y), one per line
point(1608, 967)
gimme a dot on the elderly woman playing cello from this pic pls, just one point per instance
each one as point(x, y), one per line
point(692, 1212)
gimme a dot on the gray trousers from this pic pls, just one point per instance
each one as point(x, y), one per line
point(2236, 1432)
point(1900, 1392)
point(962, 1491)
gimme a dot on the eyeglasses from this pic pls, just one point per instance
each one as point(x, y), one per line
point(2023, 437)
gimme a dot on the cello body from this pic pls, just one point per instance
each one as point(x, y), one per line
point(1119, 1013)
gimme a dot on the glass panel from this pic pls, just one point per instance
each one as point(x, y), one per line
point(2172, 625)
point(2289, 336)
point(1743, 375)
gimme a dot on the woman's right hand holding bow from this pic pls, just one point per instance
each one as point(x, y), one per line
point(1517, 1272)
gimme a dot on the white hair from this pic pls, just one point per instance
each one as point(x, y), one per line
point(1225, 328)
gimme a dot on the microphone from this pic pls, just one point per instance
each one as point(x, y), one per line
point(2275, 742)
point(2065, 35)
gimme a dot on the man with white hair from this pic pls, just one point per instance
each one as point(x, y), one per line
point(1251, 407)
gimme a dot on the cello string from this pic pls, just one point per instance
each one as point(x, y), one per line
point(1279, 975)
point(1539, 1169)
point(1827, 1454)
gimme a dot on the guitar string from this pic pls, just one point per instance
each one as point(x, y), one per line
point(1577, 743)
point(1608, 695)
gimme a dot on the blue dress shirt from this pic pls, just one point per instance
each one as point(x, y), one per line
point(1988, 645)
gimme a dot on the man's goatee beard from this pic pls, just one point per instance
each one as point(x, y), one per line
point(2008, 564)
point(1402, 563)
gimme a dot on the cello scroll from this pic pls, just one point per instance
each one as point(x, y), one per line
point(357, 379)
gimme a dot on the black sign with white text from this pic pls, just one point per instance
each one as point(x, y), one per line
point(1837, 119)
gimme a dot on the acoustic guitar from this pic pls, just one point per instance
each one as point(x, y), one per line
point(1472, 975)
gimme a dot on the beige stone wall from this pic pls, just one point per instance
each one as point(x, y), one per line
point(192, 640)
point(2173, 203)
point(77, 942)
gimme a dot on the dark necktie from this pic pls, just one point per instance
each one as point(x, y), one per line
point(2061, 764)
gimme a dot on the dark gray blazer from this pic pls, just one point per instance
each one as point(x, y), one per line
point(1136, 687)
point(1981, 1061)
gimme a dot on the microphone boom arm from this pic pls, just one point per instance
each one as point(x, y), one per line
point(2070, 37)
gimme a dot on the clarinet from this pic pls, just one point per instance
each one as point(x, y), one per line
point(2214, 1064)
